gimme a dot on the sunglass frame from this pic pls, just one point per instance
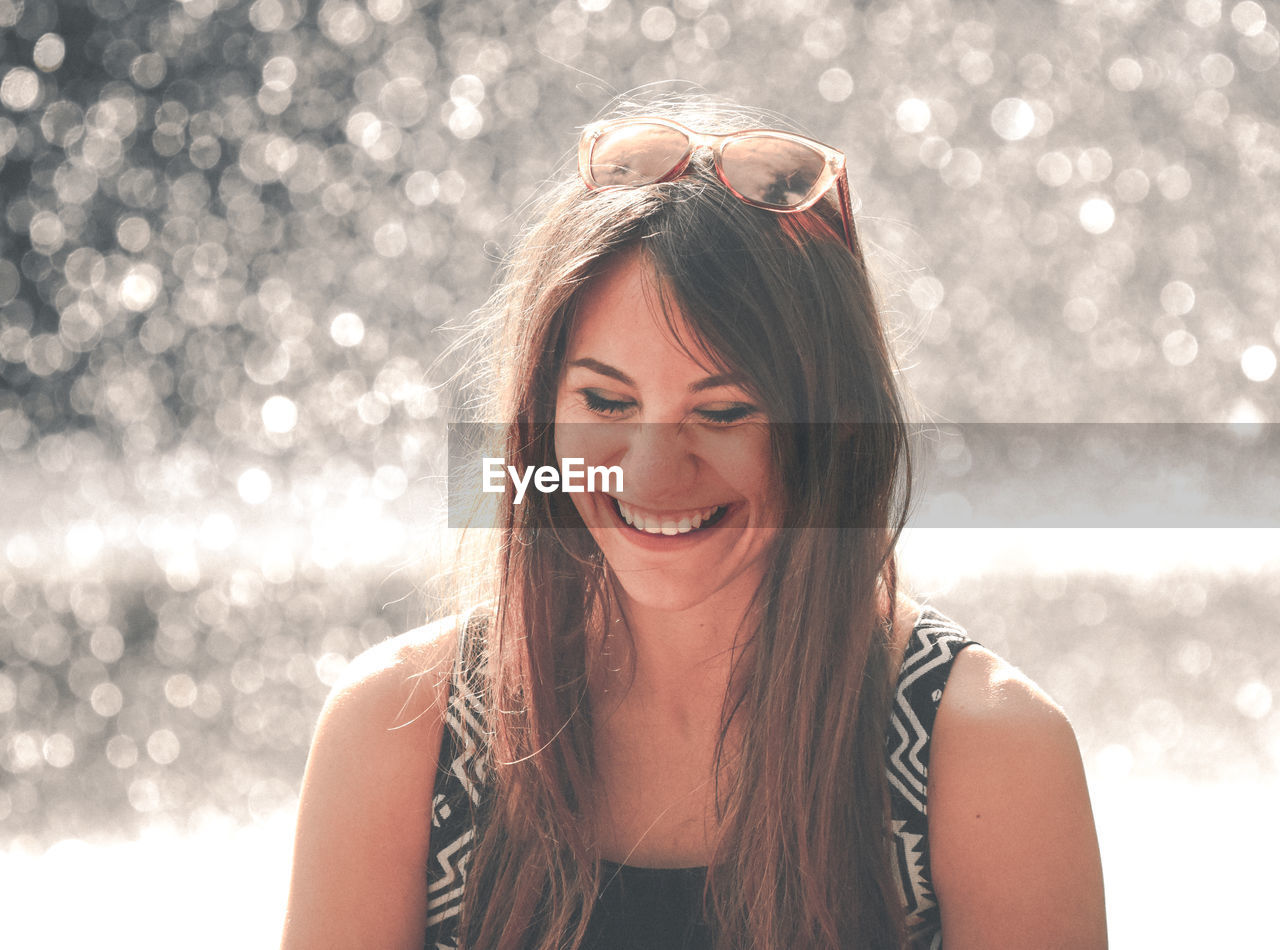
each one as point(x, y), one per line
point(834, 169)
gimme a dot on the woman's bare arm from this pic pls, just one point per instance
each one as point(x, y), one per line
point(364, 818)
point(1013, 846)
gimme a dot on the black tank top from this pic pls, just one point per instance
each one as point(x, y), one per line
point(661, 908)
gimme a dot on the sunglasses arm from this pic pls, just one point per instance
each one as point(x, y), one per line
point(846, 212)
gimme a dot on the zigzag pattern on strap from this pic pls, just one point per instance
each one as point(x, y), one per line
point(459, 788)
point(926, 664)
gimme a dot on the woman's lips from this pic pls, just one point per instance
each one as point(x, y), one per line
point(668, 523)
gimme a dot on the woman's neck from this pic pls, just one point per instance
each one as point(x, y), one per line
point(676, 666)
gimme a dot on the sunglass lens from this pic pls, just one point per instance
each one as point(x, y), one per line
point(636, 154)
point(772, 172)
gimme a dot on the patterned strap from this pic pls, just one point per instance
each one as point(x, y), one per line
point(459, 786)
point(926, 665)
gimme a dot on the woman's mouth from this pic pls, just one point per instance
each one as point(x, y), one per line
point(670, 522)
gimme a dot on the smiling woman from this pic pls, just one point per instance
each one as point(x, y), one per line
point(699, 712)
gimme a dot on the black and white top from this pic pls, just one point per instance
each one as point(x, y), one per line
point(620, 920)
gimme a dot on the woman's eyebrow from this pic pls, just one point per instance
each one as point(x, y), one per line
point(604, 369)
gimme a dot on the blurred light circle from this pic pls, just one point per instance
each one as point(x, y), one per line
point(465, 121)
point(1217, 70)
point(1248, 18)
point(84, 542)
point(594, 6)
point(277, 565)
point(390, 239)
point(1177, 298)
point(24, 750)
point(133, 234)
point(1097, 216)
point(11, 12)
point(59, 750)
point(404, 100)
point(926, 293)
point(1125, 74)
point(144, 795)
point(373, 408)
point(62, 124)
point(217, 531)
point(1245, 413)
point(140, 288)
point(1132, 185)
point(46, 232)
point(1054, 169)
point(163, 746)
point(1262, 51)
point(712, 32)
point(421, 188)
point(10, 282)
point(254, 486)
point(266, 15)
point(835, 84)
point(933, 149)
point(1094, 164)
point(824, 38)
point(976, 67)
point(279, 414)
point(344, 23)
point(9, 693)
point(180, 690)
point(658, 24)
point(1044, 118)
point(147, 70)
point(1195, 657)
point(1174, 182)
point(390, 482)
point(467, 90)
point(347, 329)
point(387, 11)
point(1258, 363)
point(1080, 314)
point(266, 363)
point(106, 700)
point(1012, 119)
point(1179, 348)
point(330, 667)
point(279, 73)
point(20, 89)
point(1253, 699)
point(913, 115)
point(960, 169)
point(122, 752)
point(1203, 12)
point(45, 355)
point(107, 644)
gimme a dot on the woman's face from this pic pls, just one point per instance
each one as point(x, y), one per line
point(696, 516)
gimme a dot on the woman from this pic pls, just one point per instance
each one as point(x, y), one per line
point(700, 713)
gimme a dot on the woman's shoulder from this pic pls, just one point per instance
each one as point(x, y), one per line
point(363, 816)
point(409, 672)
point(1014, 850)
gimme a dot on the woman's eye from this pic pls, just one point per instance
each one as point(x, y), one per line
point(602, 405)
point(727, 415)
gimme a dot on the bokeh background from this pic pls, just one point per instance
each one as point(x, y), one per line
point(238, 235)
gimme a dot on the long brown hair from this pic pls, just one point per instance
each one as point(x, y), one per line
point(802, 859)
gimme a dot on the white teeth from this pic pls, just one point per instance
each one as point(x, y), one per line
point(653, 524)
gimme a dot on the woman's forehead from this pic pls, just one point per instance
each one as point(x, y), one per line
point(627, 307)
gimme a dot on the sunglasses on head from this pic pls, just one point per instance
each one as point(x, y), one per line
point(765, 168)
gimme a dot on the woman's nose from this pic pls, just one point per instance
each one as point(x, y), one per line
point(657, 464)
